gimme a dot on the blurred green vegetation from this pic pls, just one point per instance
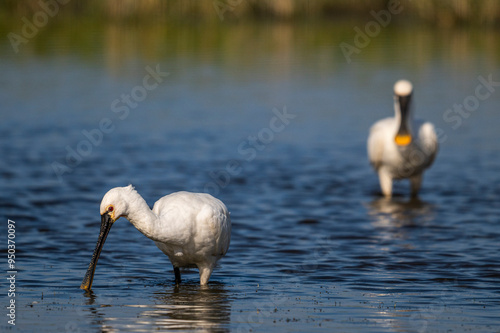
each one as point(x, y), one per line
point(435, 12)
point(122, 31)
point(285, 44)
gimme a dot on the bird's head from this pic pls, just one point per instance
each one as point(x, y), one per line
point(403, 90)
point(114, 205)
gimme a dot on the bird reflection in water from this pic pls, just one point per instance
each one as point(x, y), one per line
point(189, 307)
point(397, 212)
point(401, 225)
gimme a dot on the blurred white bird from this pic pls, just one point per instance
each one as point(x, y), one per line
point(192, 229)
point(401, 147)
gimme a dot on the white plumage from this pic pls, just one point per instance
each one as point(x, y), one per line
point(192, 229)
point(401, 147)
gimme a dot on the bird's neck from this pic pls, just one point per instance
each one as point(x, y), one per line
point(398, 115)
point(141, 216)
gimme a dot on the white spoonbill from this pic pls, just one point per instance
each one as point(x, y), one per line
point(401, 147)
point(192, 229)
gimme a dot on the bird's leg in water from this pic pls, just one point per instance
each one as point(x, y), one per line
point(205, 273)
point(177, 273)
point(415, 182)
point(385, 182)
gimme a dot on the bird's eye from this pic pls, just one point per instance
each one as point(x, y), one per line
point(110, 208)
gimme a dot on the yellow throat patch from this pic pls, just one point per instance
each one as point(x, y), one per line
point(403, 140)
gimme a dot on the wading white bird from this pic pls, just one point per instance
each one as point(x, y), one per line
point(401, 147)
point(192, 229)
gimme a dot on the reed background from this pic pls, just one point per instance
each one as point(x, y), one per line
point(432, 12)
